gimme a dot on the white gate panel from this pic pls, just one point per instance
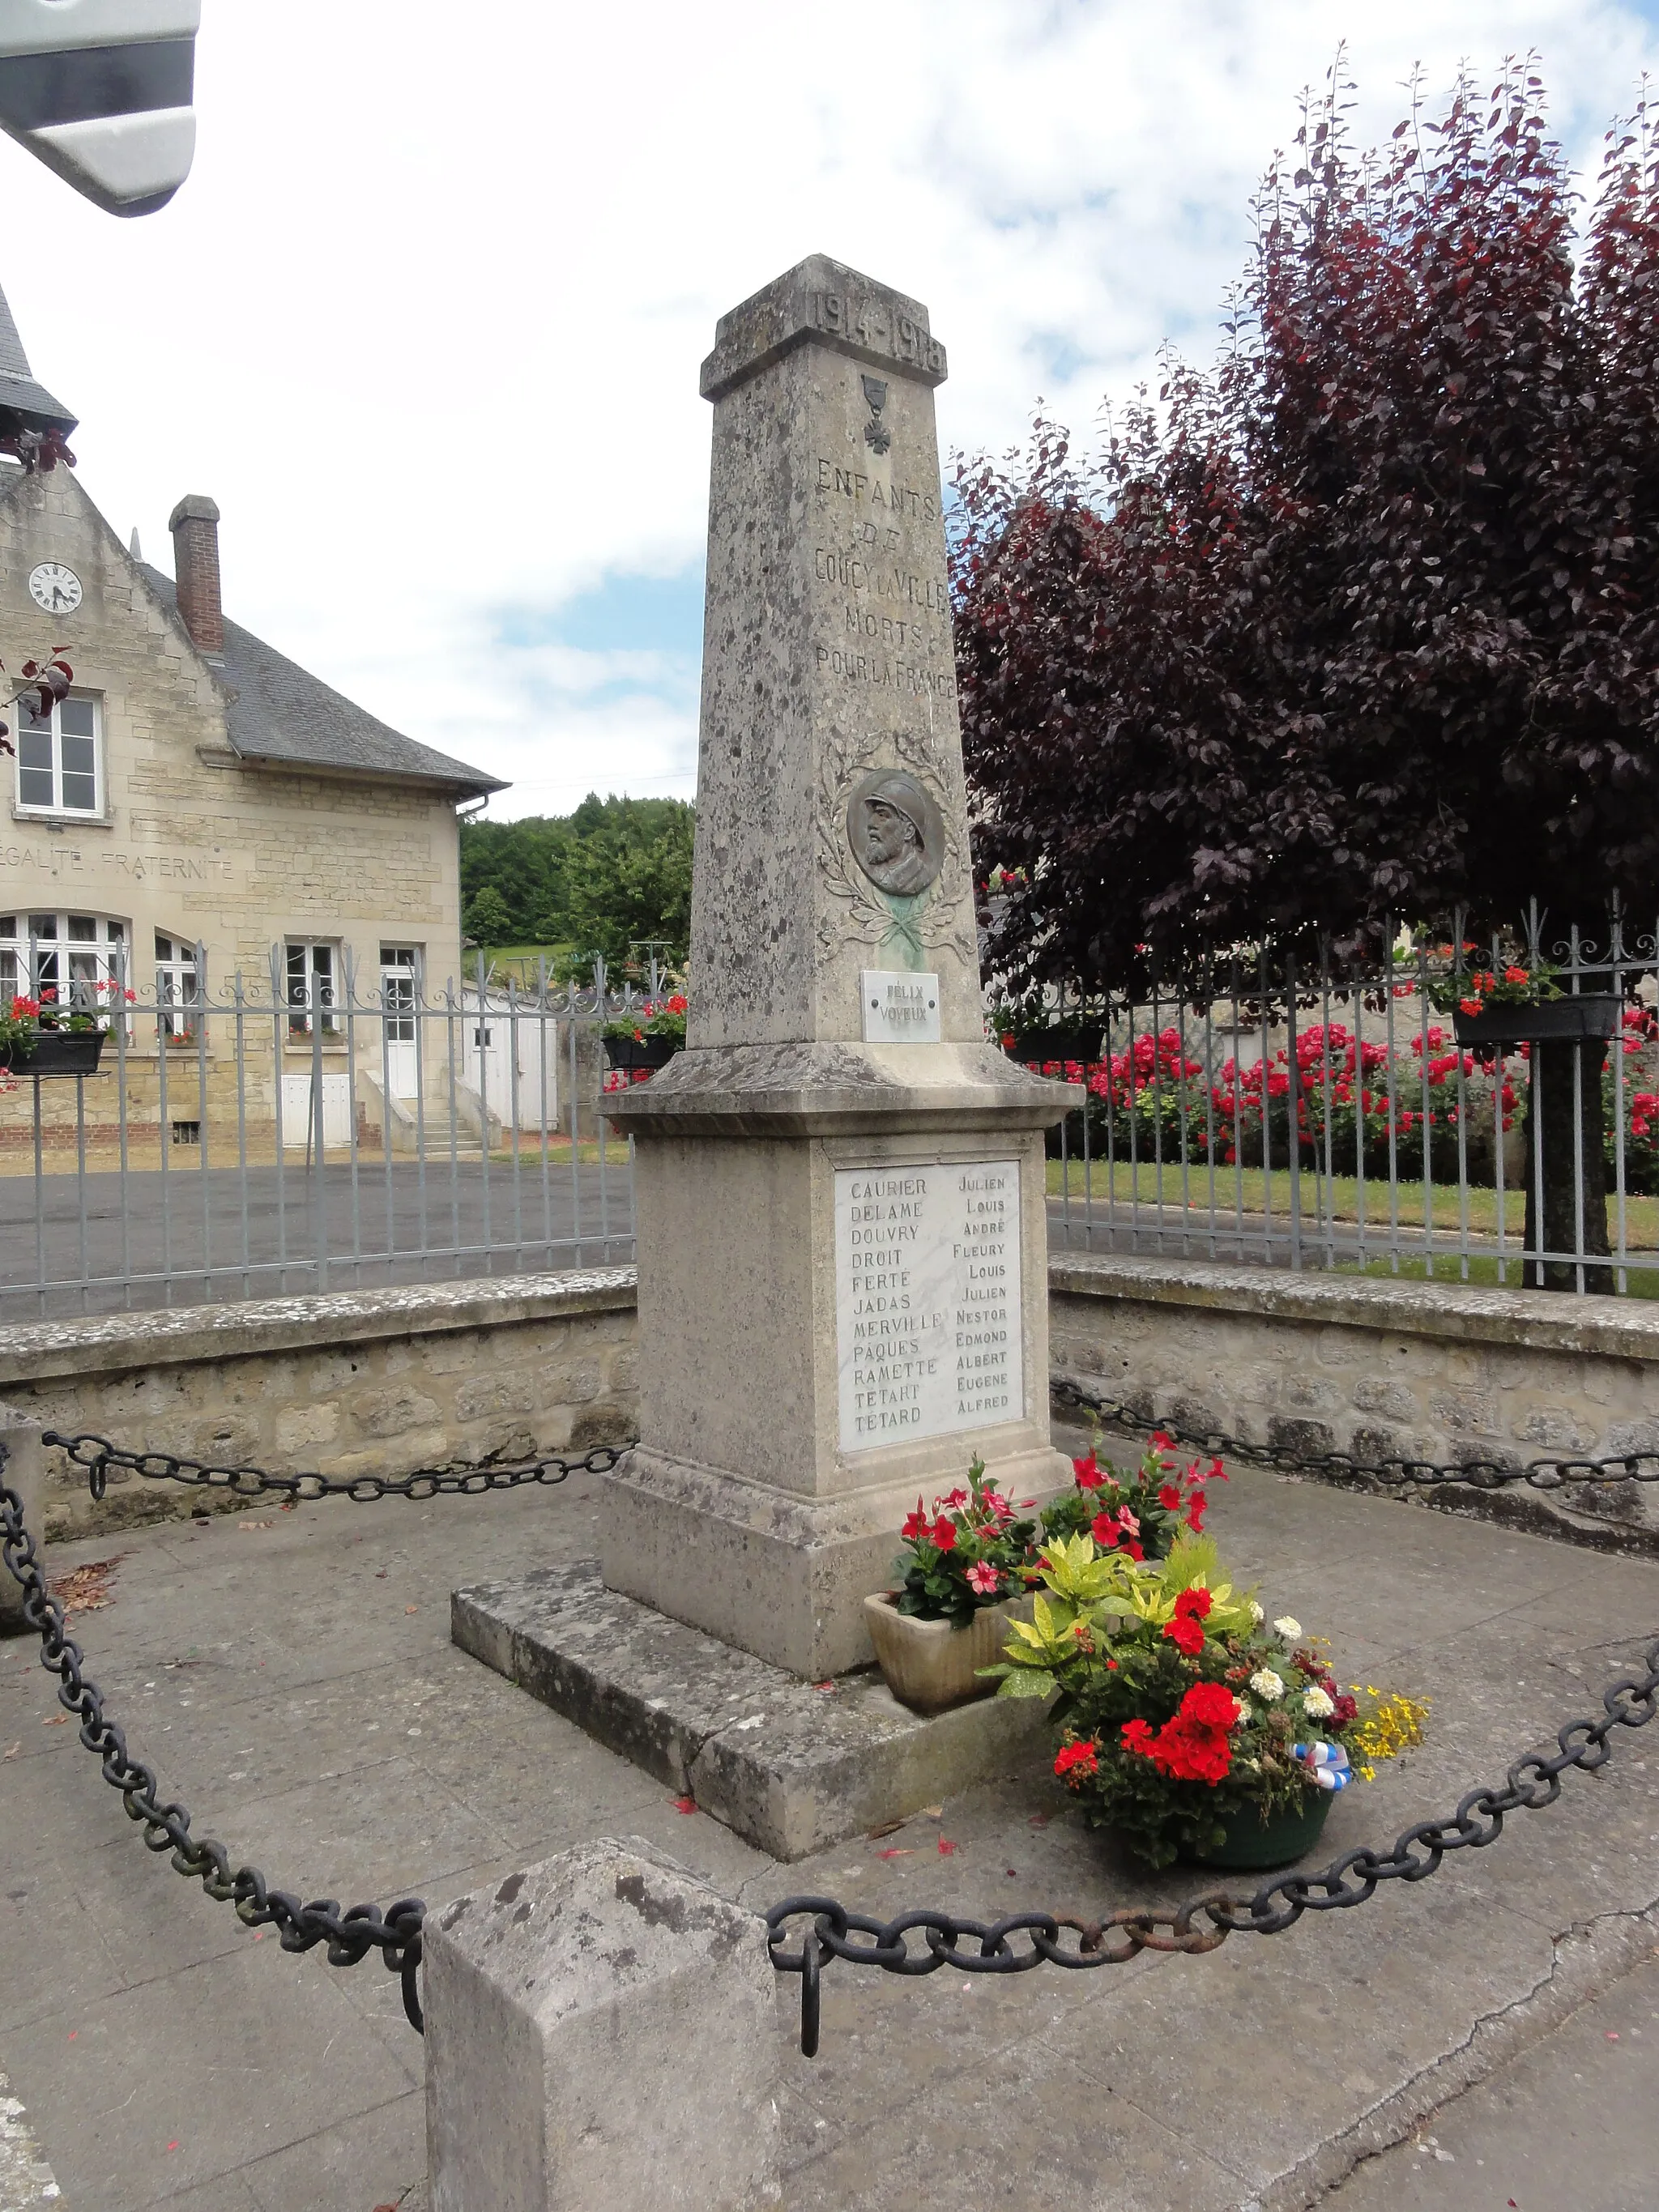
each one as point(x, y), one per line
point(296, 1111)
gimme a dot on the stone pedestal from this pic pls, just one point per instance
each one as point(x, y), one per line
point(842, 1238)
point(23, 1469)
point(601, 2035)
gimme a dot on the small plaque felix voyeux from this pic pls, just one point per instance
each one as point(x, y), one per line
point(901, 1007)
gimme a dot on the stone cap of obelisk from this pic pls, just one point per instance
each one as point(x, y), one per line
point(832, 843)
point(823, 302)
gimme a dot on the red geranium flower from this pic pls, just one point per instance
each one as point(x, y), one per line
point(1185, 1634)
point(1074, 1760)
point(1193, 1605)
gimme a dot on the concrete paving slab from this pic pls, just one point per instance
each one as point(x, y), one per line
point(376, 2158)
point(1059, 2139)
point(226, 2083)
point(26, 2182)
point(1568, 2127)
point(926, 2065)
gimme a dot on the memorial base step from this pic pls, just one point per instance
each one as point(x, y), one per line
point(788, 1766)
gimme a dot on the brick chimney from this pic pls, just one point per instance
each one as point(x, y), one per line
point(195, 526)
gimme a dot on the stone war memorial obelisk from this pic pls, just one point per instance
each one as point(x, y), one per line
point(840, 1184)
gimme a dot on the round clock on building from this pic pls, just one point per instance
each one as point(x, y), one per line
point(55, 587)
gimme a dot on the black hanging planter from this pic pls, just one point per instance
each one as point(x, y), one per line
point(1078, 1041)
point(1587, 1014)
point(641, 1051)
point(54, 1052)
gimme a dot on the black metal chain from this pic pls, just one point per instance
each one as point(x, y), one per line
point(349, 1935)
point(1206, 1921)
point(1480, 1474)
point(96, 1455)
point(1200, 1924)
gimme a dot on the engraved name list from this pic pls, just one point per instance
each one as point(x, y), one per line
point(928, 1301)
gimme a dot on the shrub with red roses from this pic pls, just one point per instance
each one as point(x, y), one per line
point(968, 1552)
point(1180, 1705)
point(1143, 1511)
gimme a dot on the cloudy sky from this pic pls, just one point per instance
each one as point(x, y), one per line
point(427, 318)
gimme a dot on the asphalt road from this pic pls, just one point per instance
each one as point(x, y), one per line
point(188, 1237)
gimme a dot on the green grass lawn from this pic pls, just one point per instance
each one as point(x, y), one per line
point(1248, 1188)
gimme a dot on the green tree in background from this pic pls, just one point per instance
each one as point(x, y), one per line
point(616, 872)
point(486, 917)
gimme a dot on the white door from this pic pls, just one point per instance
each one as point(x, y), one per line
point(297, 1131)
point(487, 1050)
point(398, 973)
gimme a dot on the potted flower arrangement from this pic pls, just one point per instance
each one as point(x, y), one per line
point(1518, 1004)
point(1190, 1723)
point(39, 1036)
point(1143, 1511)
point(963, 1570)
point(648, 1038)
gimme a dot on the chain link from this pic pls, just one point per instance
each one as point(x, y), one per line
point(1480, 1474)
point(97, 1455)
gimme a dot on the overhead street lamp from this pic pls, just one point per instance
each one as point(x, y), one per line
point(101, 91)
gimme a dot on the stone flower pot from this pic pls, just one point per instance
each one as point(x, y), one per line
point(930, 1665)
point(1585, 1014)
point(55, 1051)
point(1251, 1842)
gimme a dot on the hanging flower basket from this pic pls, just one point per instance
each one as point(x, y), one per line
point(54, 1052)
point(1586, 1014)
point(641, 1051)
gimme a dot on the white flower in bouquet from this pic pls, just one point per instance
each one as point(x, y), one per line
point(1268, 1686)
point(1288, 1626)
point(1318, 1704)
point(1257, 1616)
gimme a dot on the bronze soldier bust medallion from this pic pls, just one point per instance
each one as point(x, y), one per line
point(897, 832)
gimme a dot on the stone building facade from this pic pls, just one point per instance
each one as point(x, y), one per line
point(198, 810)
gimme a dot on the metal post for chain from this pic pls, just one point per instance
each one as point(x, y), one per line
point(1200, 1924)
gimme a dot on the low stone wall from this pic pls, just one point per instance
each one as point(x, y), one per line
point(1442, 1371)
point(463, 1374)
point(445, 1375)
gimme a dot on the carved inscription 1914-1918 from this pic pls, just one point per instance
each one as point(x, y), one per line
point(928, 1301)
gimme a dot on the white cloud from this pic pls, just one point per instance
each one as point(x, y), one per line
point(427, 318)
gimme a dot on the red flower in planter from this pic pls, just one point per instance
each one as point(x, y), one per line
point(1074, 1760)
point(944, 1533)
point(915, 1529)
point(984, 1578)
point(1089, 1476)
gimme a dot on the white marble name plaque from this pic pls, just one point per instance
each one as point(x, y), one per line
point(899, 1008)
point(928, 1301)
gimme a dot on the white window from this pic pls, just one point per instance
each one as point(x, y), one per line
point(77, 958)
point(60, 768)
point(312, 995)
point(177, 989)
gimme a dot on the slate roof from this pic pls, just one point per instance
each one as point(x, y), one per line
point(18, 389)
point(277, 711)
